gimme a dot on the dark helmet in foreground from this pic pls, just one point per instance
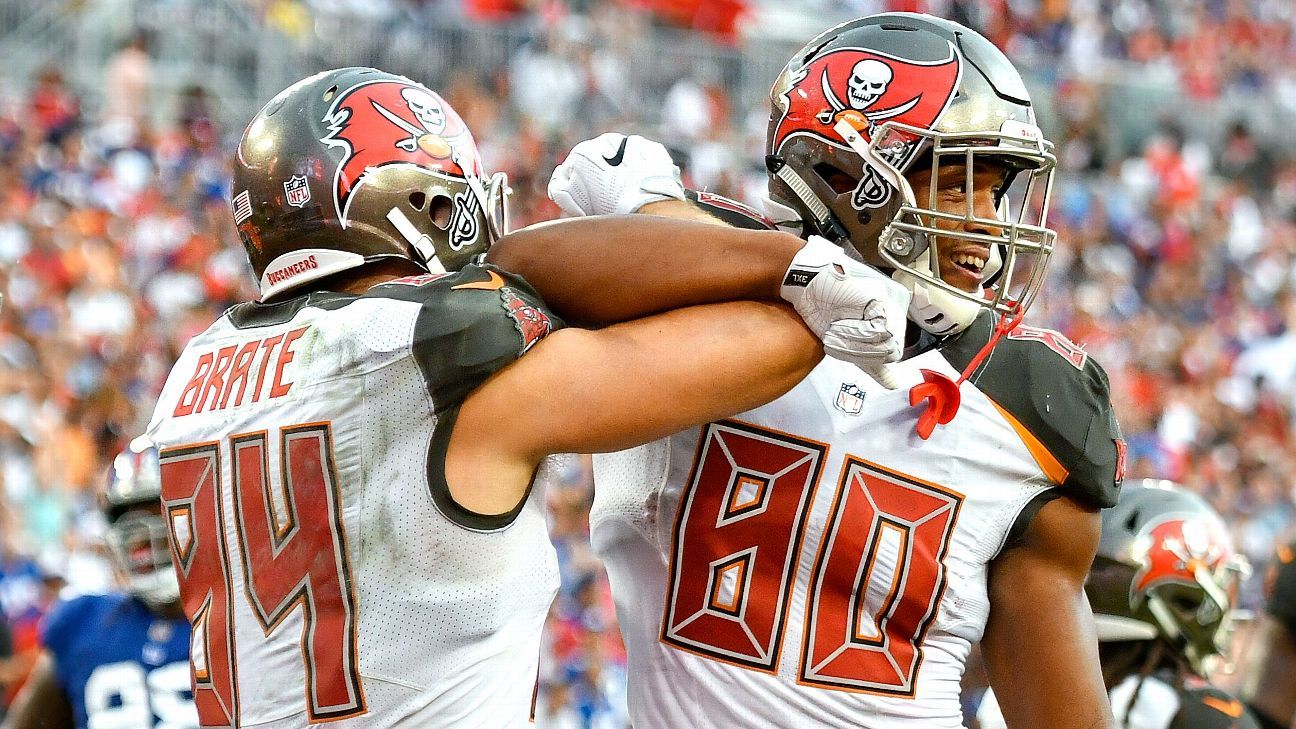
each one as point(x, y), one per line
point(137, 535)
point(873, 99)
point(1165, 570)
point(355, 165)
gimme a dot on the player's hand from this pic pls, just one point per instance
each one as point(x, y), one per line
point(614, 174)
point(858, 312)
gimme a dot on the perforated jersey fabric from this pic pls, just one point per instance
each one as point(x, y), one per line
point(705, 535)
point(447, 618)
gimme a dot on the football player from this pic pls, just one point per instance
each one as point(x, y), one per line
point(829, 559)
point(120, 659)
point(347, 463)
point(1273, 698)
point(1162, 589)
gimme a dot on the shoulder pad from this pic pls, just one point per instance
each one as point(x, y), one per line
point(730, 211)
point(473, 323)
point(1057, 398)
point(1206, 707)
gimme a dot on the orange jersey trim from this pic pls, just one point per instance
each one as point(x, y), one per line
point(1048, 463)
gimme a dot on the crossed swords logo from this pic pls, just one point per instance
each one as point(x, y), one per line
point(874, 117)
point(416, 133)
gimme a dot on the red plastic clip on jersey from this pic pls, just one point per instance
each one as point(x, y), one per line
point(942, 394)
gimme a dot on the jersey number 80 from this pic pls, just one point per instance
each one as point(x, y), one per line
point(877, 578)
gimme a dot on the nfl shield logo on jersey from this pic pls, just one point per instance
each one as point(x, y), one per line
point(297, 191)
point(850, 399)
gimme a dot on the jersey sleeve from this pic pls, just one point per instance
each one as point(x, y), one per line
point(1058, 400)
point(731, 212)
point(472, 324)
point(1282, 594)
point(1211, 708)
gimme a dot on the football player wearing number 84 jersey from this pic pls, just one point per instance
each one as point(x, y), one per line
point(828, 559)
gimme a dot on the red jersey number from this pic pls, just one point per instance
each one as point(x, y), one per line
point(287, 529)
point(738, 539)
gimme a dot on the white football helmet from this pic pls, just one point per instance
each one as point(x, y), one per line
point(137, 535)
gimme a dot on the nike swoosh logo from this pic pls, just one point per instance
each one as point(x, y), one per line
point(494, 283)
point(1231, 708)
point(615, 160)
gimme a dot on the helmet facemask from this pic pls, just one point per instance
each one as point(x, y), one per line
point(857, 107)
point(138, 545)
point(1018, 239)
point(138, 538)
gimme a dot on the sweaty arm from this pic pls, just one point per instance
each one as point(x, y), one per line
point(597, 391)
point(41, 704)
point(614, 268)
point(1040, 647)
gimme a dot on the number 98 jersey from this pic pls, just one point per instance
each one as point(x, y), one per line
point(813, 562)
point(119, 664)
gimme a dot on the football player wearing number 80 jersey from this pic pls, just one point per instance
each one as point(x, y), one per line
point(121, 659)
point(348, 462)
point(829, 558)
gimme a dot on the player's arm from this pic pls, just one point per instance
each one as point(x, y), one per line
point(42, 703)
point(615, 268)
point(596, 391)
point(1040, 647)
point(1273, 698)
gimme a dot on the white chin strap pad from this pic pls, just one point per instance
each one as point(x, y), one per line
point(933, 308)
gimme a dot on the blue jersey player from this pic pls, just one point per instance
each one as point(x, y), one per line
point(121, 660)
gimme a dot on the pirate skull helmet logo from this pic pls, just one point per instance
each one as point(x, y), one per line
point(867, 83)
point(426, 109)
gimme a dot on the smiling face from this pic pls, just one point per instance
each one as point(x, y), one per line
point(961, 262)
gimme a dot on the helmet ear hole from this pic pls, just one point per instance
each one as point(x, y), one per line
point(840, 181)
point(417, 200)
point(440, 211)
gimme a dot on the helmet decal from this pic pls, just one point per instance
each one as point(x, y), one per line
point(389, 122)
point(866, 88)
point(464, 228)
point(1172, 550)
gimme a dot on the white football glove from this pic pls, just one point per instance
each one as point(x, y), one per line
point(614, 174)
point(858, 312)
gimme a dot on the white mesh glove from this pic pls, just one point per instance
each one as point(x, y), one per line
point(858, 312)
point(614, 174)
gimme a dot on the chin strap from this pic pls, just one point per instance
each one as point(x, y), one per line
point(821, 219)
point(941, 394)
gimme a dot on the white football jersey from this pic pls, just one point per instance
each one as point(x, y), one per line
point(328, 574)
point(814, 563)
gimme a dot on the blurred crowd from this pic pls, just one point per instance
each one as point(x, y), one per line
point(1177, 269)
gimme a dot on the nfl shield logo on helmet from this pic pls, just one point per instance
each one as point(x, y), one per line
point(297, 191)
point(850, 399)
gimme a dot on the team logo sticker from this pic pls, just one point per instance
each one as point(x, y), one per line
point(380, 123)
point(296, 191)
point(532, 323)
point(850, 399)
point(1174, 549)
point(463, 220)
point(865, 88)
